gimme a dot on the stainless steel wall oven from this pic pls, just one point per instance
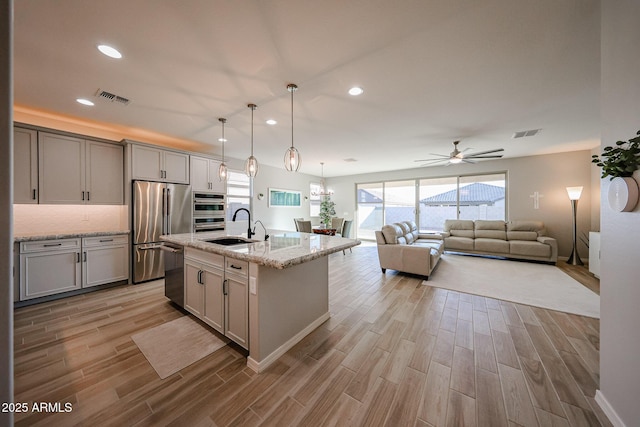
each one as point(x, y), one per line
point(209, 211)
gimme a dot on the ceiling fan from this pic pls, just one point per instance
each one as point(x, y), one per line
point(457, 156)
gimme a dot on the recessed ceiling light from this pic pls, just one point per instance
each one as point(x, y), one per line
point(355, 91)
point(111, 52)
point(222, 139)
point(271, 122)
point(85, 102)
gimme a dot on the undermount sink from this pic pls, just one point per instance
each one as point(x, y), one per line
point(229, 241)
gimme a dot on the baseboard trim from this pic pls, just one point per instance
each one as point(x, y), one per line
point(275, 355)
point(608, 410)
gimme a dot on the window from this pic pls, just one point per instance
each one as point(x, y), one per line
point(464, 197)
point(370, 209)
point(430, 201)
point(314, 198)
point(238, 192)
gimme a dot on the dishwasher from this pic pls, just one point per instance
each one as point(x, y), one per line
point(174, 272)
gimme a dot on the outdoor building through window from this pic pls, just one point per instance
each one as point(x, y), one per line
point(430, 201)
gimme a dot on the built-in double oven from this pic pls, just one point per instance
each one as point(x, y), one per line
point(208, 211)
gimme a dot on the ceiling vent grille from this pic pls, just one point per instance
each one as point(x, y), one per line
point(103, 94)
point(350, 160)
point(525, 133)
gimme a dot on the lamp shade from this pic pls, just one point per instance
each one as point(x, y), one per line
point(574, 192)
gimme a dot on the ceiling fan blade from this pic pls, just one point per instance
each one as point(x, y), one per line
point(440, 155)
point(430, 162)
point(467, 160)
point(497, 150)
point(498, 156)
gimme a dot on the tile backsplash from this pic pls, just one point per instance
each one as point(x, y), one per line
point(58, 219)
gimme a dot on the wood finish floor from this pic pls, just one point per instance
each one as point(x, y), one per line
point(394, 353)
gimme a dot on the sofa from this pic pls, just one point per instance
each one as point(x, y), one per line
point(514, 239)
point(402, 248)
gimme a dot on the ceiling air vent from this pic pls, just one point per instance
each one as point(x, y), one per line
point(350, 159)
point(112, 97)
point(525, 133)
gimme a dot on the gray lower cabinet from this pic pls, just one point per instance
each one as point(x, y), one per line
point(216, 291)
point(104, 260)
point(50, 267)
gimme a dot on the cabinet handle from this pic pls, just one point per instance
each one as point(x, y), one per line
point(88, 198)
point(106, 240)
point(34, 194)
point(83, 195)
point(84, 256)
point(50, 245)
point(77, 257)
point(200, 277)
point(225, 285)
point(235, 268)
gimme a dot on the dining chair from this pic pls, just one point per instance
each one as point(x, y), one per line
point(304, 226)
point(295, 220)
point(336, 224)
point(346, 231)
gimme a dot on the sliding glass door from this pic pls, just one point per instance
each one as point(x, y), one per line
point(370, 210)
point(430, 201)
point(438, 199)
point(399, 201)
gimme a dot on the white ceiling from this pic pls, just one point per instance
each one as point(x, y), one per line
point(433, 71)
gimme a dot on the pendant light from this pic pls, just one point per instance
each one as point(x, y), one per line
point(323, 191)
point(222, 169)
point(251, 165)
point(292, 159)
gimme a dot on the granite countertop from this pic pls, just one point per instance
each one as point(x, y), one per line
point(36, 237)
point(283, 248)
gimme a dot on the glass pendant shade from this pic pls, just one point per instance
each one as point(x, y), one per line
point(292, 158)
point(222, 169)
point(251, 165)
point(222, 172)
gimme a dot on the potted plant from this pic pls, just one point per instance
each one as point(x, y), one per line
point(327, 210)
point(619, 161)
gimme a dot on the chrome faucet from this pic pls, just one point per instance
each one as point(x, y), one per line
point(249, 232)
point(266, 236)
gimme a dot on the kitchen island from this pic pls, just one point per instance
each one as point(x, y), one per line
point(286, 292)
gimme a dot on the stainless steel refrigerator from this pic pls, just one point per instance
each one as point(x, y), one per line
point(158, 209)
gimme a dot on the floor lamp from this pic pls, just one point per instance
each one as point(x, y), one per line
point(574, 196)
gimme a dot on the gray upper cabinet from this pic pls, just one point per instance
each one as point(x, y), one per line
point(154, 164)
point(77, 171)
point(104, 173)
point(204, 175)
point(25, 166)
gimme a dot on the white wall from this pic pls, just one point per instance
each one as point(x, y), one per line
point(620, 232)
point(549, 175)
point(6, 199)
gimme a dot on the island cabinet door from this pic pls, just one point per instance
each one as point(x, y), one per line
point(193, 288)
point(237, 324)
point(214, 298)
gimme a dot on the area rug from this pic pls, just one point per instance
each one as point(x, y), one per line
point(540, 285)
point(175, 345)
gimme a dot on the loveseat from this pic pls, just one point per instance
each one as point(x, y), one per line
point(513, 239)
point(401, 247)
